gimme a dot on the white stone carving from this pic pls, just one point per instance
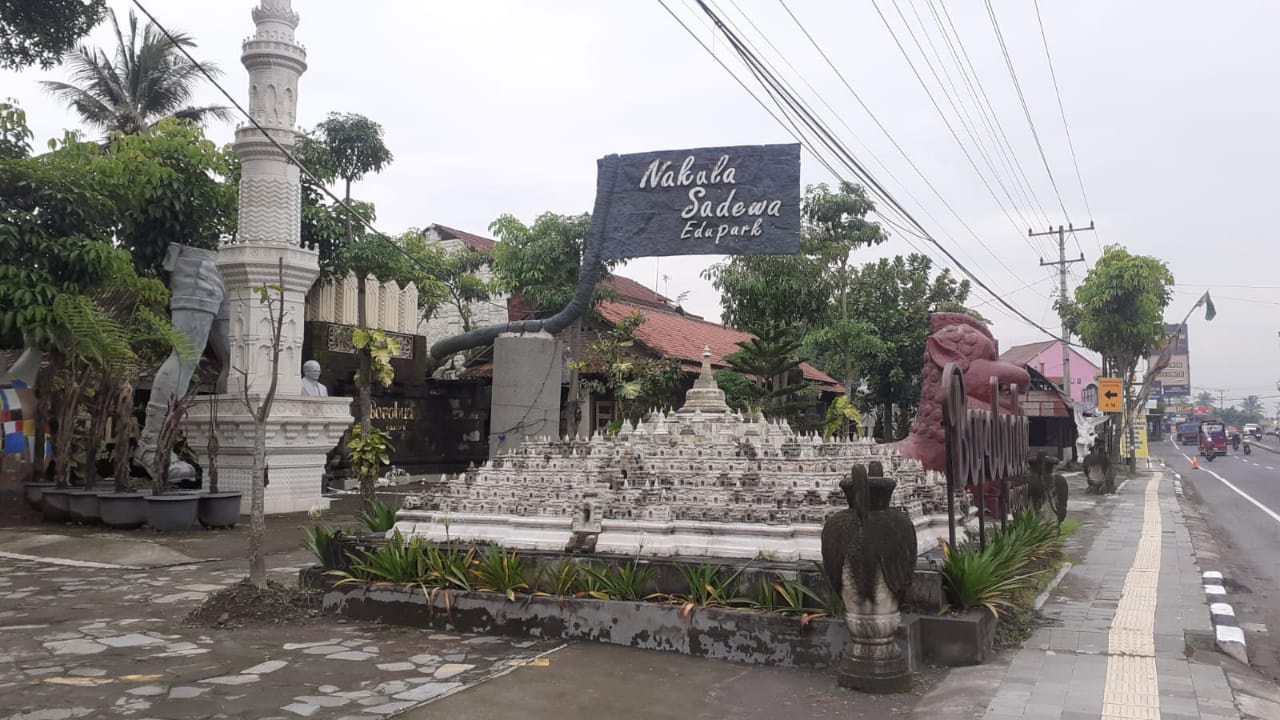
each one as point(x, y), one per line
point(679, 484)
point(301, 430)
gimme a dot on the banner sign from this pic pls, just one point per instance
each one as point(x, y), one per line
point(742, 200)
point(1176, 376)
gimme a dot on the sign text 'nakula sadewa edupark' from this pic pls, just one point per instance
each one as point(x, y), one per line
point(742, 200)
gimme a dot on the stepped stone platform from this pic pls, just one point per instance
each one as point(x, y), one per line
point(700, 482)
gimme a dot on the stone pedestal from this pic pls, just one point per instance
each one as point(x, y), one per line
point(527, 374)
point(300, 433)
point(873, 661)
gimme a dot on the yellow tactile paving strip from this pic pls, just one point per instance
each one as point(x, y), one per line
point(1132, 690)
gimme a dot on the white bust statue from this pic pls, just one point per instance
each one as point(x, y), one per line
point(311, 380)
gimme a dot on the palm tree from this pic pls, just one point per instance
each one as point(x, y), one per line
point(149, 79)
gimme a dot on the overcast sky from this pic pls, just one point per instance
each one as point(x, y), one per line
point(498, 107)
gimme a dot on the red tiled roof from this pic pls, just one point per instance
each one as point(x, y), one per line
point(673, 335)
point(629, 290)
point(482, 244)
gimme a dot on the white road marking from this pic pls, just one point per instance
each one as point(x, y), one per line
point(1271, 513)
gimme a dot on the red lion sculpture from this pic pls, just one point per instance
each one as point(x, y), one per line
point(963, 340)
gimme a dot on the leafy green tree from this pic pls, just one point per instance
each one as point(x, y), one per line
point(889, 303)
point(540, 262)
point(1206, 398)
point(40, 32)
point(171, 185)
point(352, 148)
point(1118, 312)
point(147, 79)
point(66, 288)
point(771, 362)
point(458, 274)
point(808, 292)
point(1252, 405)
point(638, 384)
point(797, 290)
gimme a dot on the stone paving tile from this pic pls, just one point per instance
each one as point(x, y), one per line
point(106, 643)
point(1115, 646)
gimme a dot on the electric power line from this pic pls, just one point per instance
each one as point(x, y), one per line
point(847, 157)
point(1065, 126)
point(1026, 111)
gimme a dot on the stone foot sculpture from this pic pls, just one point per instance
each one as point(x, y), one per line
point(869, 553)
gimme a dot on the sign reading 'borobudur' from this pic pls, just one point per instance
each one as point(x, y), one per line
point(741, 200)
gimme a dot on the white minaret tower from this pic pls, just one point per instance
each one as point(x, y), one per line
point(301, 429)
point(270, 207)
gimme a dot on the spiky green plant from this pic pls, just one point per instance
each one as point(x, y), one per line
point(990, 579)
point(398, 561)
point(324, 542)
point(500, 571)
point(378, 517)
point(562, 578)
point(708, 586)
point(621, 582)
point(451, 568)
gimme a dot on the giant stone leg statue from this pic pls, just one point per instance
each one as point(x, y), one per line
point(200, 311)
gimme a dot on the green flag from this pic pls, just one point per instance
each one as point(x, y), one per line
point(1207, 302)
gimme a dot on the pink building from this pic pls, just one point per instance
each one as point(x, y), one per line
point(1046, 358)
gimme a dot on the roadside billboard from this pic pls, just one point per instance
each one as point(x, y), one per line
point(1175, 379)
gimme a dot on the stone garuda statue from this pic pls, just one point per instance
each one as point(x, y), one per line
point(1046, 487)
point(869, 553)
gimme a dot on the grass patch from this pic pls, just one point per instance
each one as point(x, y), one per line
point(1069, 527)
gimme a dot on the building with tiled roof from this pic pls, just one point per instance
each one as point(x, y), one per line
point(1046, 358)
point(669, 333)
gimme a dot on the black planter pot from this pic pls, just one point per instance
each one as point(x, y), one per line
point(172, 513)
point(34, 491)
point(123, 511)
point(219, 510)
point(56, 504)
point(84, 507)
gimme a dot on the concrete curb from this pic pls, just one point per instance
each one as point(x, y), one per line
point(1226, 628)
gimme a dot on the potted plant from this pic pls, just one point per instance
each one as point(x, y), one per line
point(217, 509)
point(166, 511)
point(84, 504)
point(122, 508)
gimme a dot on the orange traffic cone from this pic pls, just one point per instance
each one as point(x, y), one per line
point(1195, 463)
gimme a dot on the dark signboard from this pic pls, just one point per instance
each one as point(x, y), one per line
point(742, 200)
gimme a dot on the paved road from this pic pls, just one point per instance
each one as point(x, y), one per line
point(1239, 496)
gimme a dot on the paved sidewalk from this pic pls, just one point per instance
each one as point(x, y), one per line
point(1121, 627)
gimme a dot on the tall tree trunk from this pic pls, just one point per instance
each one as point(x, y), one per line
point(44, 404)
point(258, 486)
point(257, 504)
point(125, 423)
point(364, 402)
point(575, 381)
point(67, 412)
point(102, 405)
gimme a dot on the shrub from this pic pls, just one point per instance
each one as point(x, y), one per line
point(620, 582)
point(989, 579)
point(563, 577)
point(378, 517)
point(326, 544)
point(500, 572)
point(398, 561)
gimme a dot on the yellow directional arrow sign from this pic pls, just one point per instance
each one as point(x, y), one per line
point(1110, 395)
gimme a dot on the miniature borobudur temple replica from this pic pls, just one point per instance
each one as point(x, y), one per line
point(700, 482)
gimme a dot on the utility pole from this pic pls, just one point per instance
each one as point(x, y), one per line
point(1062, 264)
